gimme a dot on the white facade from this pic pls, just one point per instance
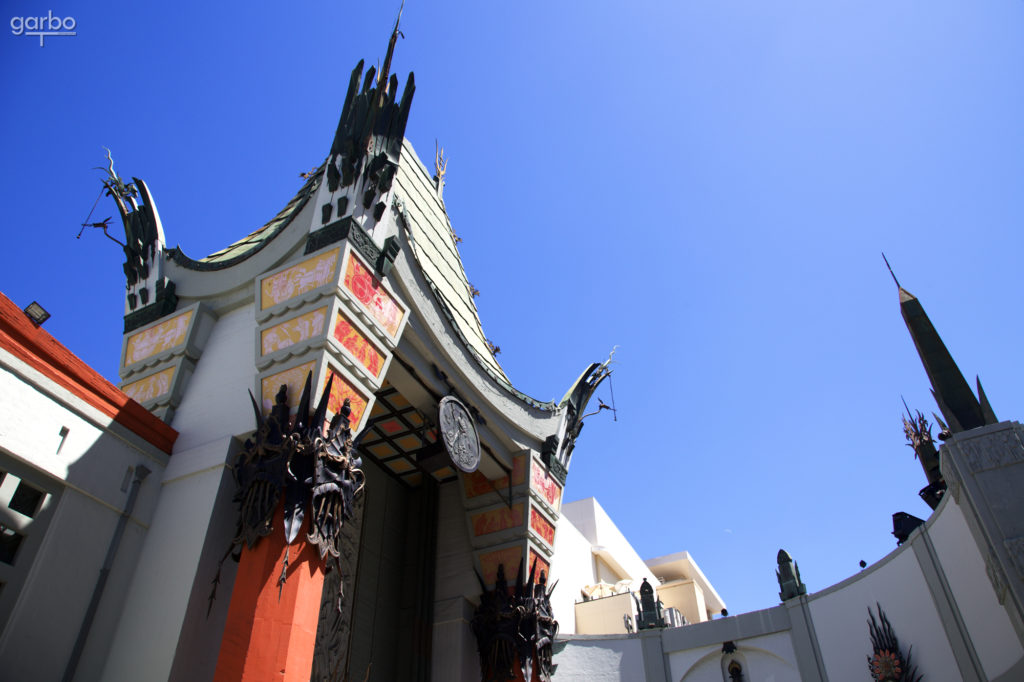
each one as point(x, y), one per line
point(75, 462)
point(951, 593)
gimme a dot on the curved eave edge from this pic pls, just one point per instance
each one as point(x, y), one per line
point(297, 204)
point(547, 406)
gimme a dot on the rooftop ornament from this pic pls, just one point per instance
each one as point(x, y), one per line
point(788, 575)
point(960, 409)
point(919, 438)
point(648, 608)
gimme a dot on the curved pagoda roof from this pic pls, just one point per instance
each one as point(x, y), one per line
point(433, 243)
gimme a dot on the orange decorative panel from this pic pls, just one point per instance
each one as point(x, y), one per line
point(294, 379)
point(148, 388)
point(353, 340)
point(341, 389)
point(298, 279)
point(368, 291)
point(498, 519)
point(542, 526)
point(164, 336)
point(293, 331)
point(543, 483)
point(476, 484)
point(542, 566)
point(489, 562)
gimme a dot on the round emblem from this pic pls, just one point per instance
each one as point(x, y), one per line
point(459, 434)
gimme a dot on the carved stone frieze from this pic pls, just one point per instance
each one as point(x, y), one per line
point(954, 487)
point(996, 576)
point(1015, 548)
point(993, 450)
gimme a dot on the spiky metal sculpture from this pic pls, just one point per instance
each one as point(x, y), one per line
point(518, 622)
point(887, 663)
point(314, 469)
point(919, 438)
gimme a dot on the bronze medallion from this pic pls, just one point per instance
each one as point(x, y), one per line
point(459, 434)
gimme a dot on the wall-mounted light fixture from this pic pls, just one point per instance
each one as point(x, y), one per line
point(37, 313)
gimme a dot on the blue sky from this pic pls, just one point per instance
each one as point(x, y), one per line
point(706, 184)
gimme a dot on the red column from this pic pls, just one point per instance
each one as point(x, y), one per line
point(268, 637)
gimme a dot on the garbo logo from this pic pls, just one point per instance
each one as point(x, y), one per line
point(43, 26)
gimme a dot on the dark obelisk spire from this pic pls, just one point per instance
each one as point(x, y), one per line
point(960, 408)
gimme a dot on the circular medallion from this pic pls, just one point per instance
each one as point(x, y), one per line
point(459, 434)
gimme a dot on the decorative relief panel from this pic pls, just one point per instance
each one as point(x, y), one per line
point(489, 562)
point(380, 304)
point(541, 526)
point(293, 378)
point(151, 387)
point(996, 577)
point(364, 350)
point(993, 450)
point(545, 485)
point(298, 279)
point(342, 388)
point(542, 565)
point(476, 484)
point(495, 520)
point(295, 330)
point(1015, 548)
point(164, 336)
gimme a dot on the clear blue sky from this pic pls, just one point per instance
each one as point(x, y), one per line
point(706, 184)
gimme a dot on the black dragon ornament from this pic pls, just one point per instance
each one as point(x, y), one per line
point(309, 464)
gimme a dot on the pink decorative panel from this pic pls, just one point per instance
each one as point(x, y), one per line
point(543, 483)
point(542, 566)
point(341, 389)
point(498, 519)
point(489, 562)
point(541, 526)
point(362, 348)
point(476, 484)
point(368, 291)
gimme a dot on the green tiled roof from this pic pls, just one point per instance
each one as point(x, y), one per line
point(434, 245)
point(255, 241)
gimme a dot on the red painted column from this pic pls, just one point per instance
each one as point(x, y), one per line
point(270, 637)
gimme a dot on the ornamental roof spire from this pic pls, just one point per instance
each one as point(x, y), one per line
point(960, 408)
point(386, 68)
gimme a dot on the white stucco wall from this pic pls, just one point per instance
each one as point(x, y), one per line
point(840, 620)
point(765, 658)
point(573, 567)
point(601, 532)
point(987, 622)
point(85, 478)
point(214, 408)
point(216, 400)
point(599, 660)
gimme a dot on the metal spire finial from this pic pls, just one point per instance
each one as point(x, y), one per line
point(890, 271)
point(386, 68)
